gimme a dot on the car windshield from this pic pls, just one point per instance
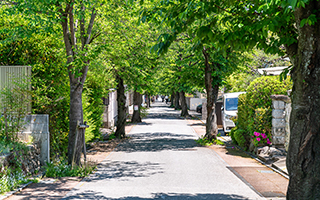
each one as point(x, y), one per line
point(232, 104)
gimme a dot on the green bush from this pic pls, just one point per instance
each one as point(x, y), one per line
point(232, 135)
point(240, 137)
point(255, 107)
point(242, 118)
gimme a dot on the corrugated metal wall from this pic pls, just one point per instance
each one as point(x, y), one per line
point(10, 73)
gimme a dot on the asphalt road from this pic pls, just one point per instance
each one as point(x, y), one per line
point(162, 161)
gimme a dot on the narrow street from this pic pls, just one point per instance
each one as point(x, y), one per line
point(161, 160)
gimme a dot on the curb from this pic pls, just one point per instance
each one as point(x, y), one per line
point(272, 167)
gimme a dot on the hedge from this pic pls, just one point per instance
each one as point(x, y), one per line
point(255, 109)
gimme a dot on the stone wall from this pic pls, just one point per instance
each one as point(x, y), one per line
point(28, 161)
point(281, 109)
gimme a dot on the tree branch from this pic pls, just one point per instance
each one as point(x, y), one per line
point(90, 26)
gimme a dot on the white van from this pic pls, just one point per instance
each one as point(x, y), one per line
point(229, 109)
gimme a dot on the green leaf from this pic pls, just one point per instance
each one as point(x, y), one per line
point(293, 3)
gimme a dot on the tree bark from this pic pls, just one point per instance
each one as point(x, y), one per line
point(148, 100)
point(212, 94)
point(172, 100)
point(121, 103)
point(137, 97)
point(303, 158)
point(75, 115)
point(177, 101)
point(184, 107)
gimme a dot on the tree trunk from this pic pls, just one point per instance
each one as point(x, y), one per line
point(136, 102)
point(172, 100)
point(75, 115)
point(184, 107)
point(212, 93)
point(121, 102)
point(176, 101)
point(303, 159)
point(148, 100)
point(69, 29)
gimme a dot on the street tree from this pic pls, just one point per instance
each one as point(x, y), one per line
point(77, 20)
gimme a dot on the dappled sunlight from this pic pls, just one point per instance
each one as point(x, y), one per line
point(169, 196)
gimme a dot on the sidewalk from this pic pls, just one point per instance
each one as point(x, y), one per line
point(264, 180)
point(57, 188)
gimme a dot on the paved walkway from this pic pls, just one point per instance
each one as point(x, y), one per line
point(163, 161)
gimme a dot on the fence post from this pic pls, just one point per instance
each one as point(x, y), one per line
point(83, 127)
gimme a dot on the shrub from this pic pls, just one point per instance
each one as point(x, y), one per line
point(254, 107)
point(240, 136)
point(232, 135)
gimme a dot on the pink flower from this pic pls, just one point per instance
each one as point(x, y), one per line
point(258, 139)
point(268, 142)
point(256, 134)
point(264, 136)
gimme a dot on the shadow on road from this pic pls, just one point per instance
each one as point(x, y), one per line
point(125, 170)
point(159, 141)
point(170, 196)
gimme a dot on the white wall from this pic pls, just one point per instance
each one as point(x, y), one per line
point(194, 102)
point(112, 108)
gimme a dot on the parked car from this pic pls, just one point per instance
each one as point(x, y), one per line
point(229, 110)
point(199, 108)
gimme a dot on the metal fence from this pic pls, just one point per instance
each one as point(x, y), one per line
point(9, 74)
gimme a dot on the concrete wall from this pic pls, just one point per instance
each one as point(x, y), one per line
point(281, 109)
point(194, 102)
point(110, 113)
point(36, 130)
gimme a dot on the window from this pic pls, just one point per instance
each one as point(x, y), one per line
point(232, 104)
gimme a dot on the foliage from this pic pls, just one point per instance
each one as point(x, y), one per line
point(206, 142)
point(11, 179)
point(50, 88)
point(239, 81)
point(61, 168)
point(12, 176)
point(254, 107)
point(15, 100)
point(240, 136)
point(96, 87)
point(112, 136)
point(232, 135)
